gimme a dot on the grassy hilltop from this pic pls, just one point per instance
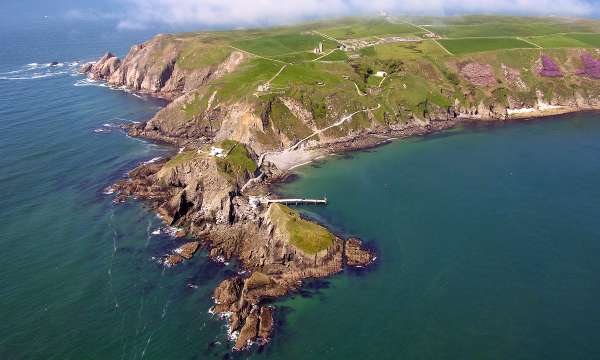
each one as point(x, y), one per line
point(431, 65)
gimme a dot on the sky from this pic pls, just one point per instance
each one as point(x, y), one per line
point(142, 14)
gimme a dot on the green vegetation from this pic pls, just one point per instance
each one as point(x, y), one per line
point(362, 28)
point(287, 123)
point(237, 164)
point(196, 106)
point(307, 236)
point(198, 55)
point(423, 81)
point(337, 55)
point(246, 79)
point(181, 158)
point(297, 57)
point(282, 44)
point(490, 26)
point(465, 46)
point(310, 73)
point(593, 40)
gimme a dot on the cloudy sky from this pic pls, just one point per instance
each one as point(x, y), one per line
point(139, 14)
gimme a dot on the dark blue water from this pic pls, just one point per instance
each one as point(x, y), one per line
point(78, 278)
point(488, 238)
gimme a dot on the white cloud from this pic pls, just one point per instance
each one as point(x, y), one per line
point(243, 13)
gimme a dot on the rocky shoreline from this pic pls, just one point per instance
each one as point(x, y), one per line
point(216, 188)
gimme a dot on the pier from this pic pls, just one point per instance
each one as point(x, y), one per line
point(297, 201)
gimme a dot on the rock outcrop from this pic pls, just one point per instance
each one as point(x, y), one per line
point(192, 192)
point(103, 68)
point(153, 67)
point(356, 255)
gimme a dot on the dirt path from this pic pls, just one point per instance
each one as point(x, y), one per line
point(324, 55)
point(360, 93)
point(340, 122)
point(259, 56)
point(327, 37)
point(529, 42)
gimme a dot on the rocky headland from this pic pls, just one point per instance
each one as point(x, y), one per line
point(236, 139)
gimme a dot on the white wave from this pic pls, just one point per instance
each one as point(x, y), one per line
point(89, 82)
point(34, 70)
point(153, 160)
point(12, 72)
point(156, 232)
point(171, 230)
point(32, 77)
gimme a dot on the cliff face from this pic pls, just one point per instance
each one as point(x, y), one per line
point(153, 67)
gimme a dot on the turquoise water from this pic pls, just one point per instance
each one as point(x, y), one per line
point(487, 238)
point(488, 242)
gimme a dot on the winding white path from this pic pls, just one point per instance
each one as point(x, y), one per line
point(338, 123)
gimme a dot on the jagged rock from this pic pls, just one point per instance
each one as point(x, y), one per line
point(356, 256)
point(86, 68)
point(173, 260)
point(187, 250)
point(228, 291)
point(266, 324)
point(248, 333)
point(152, 67)
point(103, 68)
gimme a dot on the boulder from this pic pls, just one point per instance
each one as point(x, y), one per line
point(356, 256)
point(248, 333)
point(173, 260)
point(266, 324)
point(187, 250)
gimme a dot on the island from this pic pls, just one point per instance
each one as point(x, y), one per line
point(248, 106)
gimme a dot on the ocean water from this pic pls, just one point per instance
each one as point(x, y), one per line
point(487, 237)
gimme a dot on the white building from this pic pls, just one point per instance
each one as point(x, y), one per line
point(381, 74)
point(319, 49)
point(218, 152)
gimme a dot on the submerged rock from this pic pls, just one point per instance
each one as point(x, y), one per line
point(173, 260)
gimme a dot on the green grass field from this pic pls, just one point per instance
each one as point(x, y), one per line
point(370, 27)
point(309, 73)
point(245, 80)
point(337, 55)
point(473, 45)
point(557, 41)
point(309, 237)
point(283, 44)
point(408, 51)
point(196, 55)
point(593, 40)
point(477, 26)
